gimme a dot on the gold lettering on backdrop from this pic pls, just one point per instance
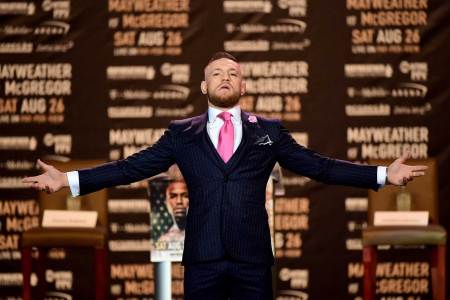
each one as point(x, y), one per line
point(386, 4)
point(134, 287)
point(35, 71)
point(131, 271)
point(417, 269)
point(292, 205)
point(9, 242)
point(19, 208)
point(8, 106)
point(291, 222)
point(148, 5)
point(394, 18)
point(21, 224)
point(175, 20)
point(402, 286)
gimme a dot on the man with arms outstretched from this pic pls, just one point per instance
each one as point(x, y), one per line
point(226, 157)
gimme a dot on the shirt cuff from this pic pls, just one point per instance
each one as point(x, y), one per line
point(74, 183)
point(381, 176)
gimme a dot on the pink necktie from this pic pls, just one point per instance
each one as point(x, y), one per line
point(226, 137)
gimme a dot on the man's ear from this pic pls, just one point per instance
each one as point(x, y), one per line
point(243, 87)
point(203, 87)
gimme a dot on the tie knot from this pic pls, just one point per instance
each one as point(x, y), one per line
point(226, 116)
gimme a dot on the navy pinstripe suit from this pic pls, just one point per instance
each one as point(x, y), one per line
point(227, 216)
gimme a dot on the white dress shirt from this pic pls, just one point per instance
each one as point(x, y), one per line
point(213, 128)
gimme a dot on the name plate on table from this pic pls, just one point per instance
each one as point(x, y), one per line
point(69, 218)
point(406, 218)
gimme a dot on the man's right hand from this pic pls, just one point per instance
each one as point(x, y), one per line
point(52, 180)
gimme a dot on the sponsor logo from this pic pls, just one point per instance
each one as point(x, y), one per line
point(18, 143)
point(292, 295)
point(18, 165)
point(130, 112)
point(62, 142)
point(17, 8)
point(11, 279)
point(356, 204)
point(52, 28)
point(171, 92)
point(180, 73)
point(129, 245)
point(128, 206)
point(406, 89)
point(412, 109)
point(282, 26)
point(368, 70)
point(247, 46)
point(353, 226)
point(16, 30)
point(58, 296)
point(174, 112)
point(130, 72)
point(115, 94)
point(417, 70)
point(236, 6)
point(368, 92)
point(289, 25)
point(296, 8)
point(12, 183)
point(353, 244)
point(60, 8)
point(291, 45)
point(246, 28)
point(129, 227)
point(298, 277)
point(63, 279)
point(23, 47)
point(363, 110)
point(55, 47)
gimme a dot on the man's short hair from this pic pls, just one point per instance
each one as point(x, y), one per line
point(221, 54)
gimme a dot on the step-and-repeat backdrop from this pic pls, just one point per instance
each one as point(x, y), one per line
point(354, 79)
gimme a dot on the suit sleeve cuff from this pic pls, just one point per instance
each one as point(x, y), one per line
point(381, 176)
point(74, 183)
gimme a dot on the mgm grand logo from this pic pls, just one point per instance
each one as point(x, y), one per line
point(57, 296)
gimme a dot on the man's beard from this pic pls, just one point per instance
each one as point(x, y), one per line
point(224, 101)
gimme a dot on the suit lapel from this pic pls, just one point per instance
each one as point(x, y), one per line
point(197, 131)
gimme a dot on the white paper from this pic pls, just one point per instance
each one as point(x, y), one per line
point(69, 218)
point(408, 218)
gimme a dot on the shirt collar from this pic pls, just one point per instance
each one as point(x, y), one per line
point(235, 111)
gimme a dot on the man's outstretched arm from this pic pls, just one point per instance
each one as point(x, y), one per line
point(144, 164)
point(306, 162)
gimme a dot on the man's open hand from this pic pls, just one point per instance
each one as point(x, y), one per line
point(400, 174)
point(52, 180)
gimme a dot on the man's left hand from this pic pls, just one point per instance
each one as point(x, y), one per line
point(400, 174)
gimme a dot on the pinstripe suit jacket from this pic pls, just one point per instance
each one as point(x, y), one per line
point(227, 215)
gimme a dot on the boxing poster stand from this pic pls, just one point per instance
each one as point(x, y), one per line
point(163, 268)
